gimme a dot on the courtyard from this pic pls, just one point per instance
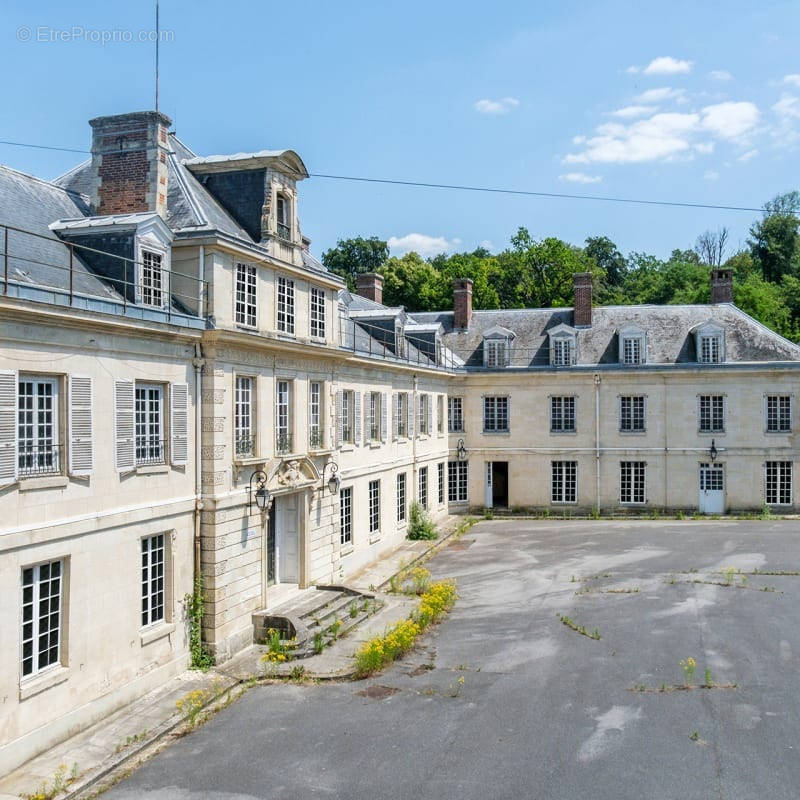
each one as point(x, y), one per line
point(505, 700)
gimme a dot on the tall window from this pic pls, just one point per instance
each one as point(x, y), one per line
point(496, 352)
point(346, 515)
point(563, 354)
point(631, 414)
point(347, 416)
point(423, 487)
point(422, 414)
point(374, 506)
point(285, 305)
point(315, 415)
point(632, 481)
point(149, 423)
point(284, 224)
point(712, 413)
point(41, 616)
point(564, 482)
point(153, 561)
point(37, 426)
point(317, 313)
point(374, 416)
point(151, 278)
point(401, 496)
point(632, 350)
point(495, 414)
point(562, 414)
point(243, 417)
point(440, 414)
point(455, 414)
point(710, 349)
point(401, 415)
point(245, 305)
point(779, 413)
point(457, 481)
point(778, 485)
point(283, 417)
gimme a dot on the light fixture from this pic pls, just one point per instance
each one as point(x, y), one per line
point(258, 491)
point(713, 451)
point(333, 481)
point(461, 450)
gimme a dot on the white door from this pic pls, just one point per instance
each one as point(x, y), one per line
point(712, 489)
point(287, 543)
point(489, 497)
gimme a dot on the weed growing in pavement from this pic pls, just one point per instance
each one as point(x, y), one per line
point(319, 643)
point(688, 666)
point(129, 740)
point(708, 680)
point(765, 512)
point(200, 657)
point(60, 783)
point(298, 672)
point(455, 691)
point(729, 572)
point(594, 513)
point(353, 610)
point(488, 513)
point(334, 628)
point(679, 515)
point(277, 652)
point(582, 629)
point(420, 525)
point(694, 736)
point(191, 705)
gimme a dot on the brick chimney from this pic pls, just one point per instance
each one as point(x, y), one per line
point(721, 285)
point(582, 311)
point(462, 303)
point(129, 163)
point(370, 285)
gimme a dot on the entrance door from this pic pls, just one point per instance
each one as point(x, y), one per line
point(489, 494)
point(287, 543)
point(499, 484)
point(712, 489)
point(271, 575)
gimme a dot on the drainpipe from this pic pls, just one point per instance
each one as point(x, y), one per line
point(414, 479)
point(198, 362)
point(597, 439)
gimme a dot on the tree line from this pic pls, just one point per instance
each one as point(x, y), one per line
point(537, 273)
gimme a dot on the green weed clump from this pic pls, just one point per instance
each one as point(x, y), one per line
point(420, 525)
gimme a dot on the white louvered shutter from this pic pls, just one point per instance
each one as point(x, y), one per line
point(81, 448)
point(8, 427)
point(339, 417)
point(410, 415)
point(384, 417)
point(124, 418)
point(395, 416)
point(357, 418)
point(179, 423)
point(367, 420)
point(429, 414)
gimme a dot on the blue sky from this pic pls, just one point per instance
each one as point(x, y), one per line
point(681, 101)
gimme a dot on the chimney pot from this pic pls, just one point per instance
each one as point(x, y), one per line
point(462, 303)
point(721, 286)
point(370, 285)
point(582, 306)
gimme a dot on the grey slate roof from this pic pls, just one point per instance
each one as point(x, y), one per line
point(668, 332)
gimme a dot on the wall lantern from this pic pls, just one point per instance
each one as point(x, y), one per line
point(333, 481)
point(713, 451)
point(258, 491)
point(461, 450)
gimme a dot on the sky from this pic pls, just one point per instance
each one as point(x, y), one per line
point(681, 101)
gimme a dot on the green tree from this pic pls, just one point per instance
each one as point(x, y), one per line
point(608, 257)
point(414, 283)
point(774, 241)
point(480, 267)
point(352, 257)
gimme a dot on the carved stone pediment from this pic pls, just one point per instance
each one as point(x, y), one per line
point(294, 473)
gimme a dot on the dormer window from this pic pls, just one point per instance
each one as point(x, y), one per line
point(283, 216)
point(497, 347)
point(710, 343)
point(563, 346)
point(151, 279)
point(632, 346)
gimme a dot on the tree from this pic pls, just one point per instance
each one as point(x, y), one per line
point(710, 246)
point(608, 257)
point(774, 238)
point(414, 283)
point(352, 257)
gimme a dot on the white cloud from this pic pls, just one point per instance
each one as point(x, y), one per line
point(633, 70)
point(667, 65)
point(501, 106)
point(580, 177)
point(426, 246)
point(787, 107)
point(748, 156)
point(720, 75)
point(660, 95)
point(704, 147)
point(730, 120)
point(628, 112)
point(710, 175)
point(792, 80)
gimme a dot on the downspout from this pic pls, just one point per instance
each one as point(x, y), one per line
point(597, 440)
point(198, 362)
point(415, 417)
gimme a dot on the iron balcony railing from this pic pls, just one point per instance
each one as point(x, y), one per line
point(40, 458)
point(244, 445)
point(150, 451)
point(283, 442)
point(284, 232)
point(315, 439)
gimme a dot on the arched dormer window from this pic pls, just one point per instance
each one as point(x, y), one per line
point(709, 340)
point(497, 347)
point(563, 346)
point(283, 216)
point(632, 345)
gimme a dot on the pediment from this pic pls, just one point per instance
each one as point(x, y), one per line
point(293, 473)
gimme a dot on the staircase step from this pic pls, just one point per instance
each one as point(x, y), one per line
point(314, 601)
point(326, 615)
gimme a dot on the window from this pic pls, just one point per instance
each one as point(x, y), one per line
point(495, 414)
point(440, 414)
point(151, 289)
point(423, 487)
point(710, 350)
point(42, 590)
point(563, 352)
point(457, 482)
point(632, 350)
point(347, 417)
point(283, 420)
point(632, 481)
point(284, 225)
point(317, 313)
point(401, 415)
point(285, 305)
point(346, 515)
point(245, 303)
point(37, 426)
point(422, 414)
point(562, 414)
point(374, 416)
point(779, 413)
point(440, 471)
point(315, 439)
point(631, 414)
point(778, 484)
point(401, 497)
point(564, 482)
point(153, 564)
point(243, 417)
point(496, 352)
point(455, 414)
point(374, 506)
point(712, 413)
point(149, 424)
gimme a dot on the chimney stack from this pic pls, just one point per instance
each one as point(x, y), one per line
point(370, 285)
point(129, 163)
point(462, 303)
point(721, 285)
point(582, 307)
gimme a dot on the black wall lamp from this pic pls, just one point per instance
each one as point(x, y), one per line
point(258, 492)
point(712, 451)
point(334, 480)
point(461, 450)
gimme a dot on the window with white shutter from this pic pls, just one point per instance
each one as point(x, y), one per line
point(384, 417)
point(124, 426)
point(357, 418)
point(8, 427)
point(341, 418)
point(179, 423)
point(410, 416)
point(81, 455)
